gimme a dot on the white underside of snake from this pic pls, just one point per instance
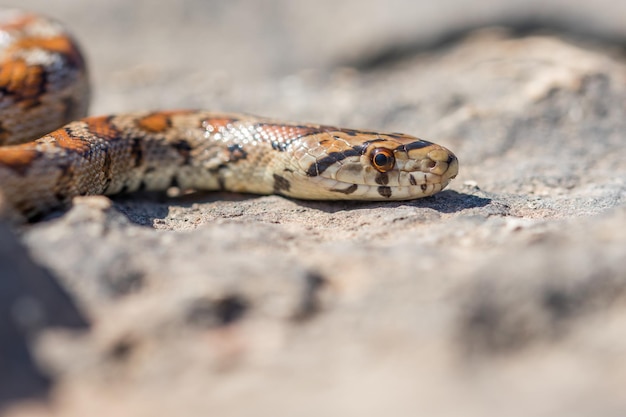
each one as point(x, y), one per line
point(43, 85)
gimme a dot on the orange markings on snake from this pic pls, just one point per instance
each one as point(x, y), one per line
point(159, 122)
point(216, 124)
point(66, 141)
point(18, 158)
point(59, 44)
point(17, 77)
point(102, 127)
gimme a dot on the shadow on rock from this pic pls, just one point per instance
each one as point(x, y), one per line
point(30, 299)
point(444, 202)
point(145, 207)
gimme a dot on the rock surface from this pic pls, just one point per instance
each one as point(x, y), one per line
point(503, 295)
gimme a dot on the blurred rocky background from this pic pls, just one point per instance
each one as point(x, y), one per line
point(503, 295)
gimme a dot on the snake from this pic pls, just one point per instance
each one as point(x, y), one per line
point(51, 151)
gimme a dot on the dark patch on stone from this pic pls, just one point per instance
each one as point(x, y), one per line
point(384, 191)
point(230, 309)
point(217, 313)
point(122, 350)
point(310, 302)
point(281, 184)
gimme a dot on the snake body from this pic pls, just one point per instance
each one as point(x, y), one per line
point(43, 85)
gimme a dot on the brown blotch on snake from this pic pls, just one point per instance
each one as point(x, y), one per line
point(281, 184)
point(155, 123)
point(19, 159)
point(102, 127)
point(66, 140)
point(382, 178)
point(384, 191)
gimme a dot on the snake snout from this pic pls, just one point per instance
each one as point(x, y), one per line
point(453, 167)
point(442, 162)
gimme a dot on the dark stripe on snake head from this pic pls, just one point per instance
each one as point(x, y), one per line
point(316, 168)
point(412, 179)
point(350, 132)
point(384, 191)
point(418, 144)
point(281, 184)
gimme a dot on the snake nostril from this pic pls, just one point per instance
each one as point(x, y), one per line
point(430, 163)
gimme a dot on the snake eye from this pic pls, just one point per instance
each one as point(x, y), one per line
point(383, 159)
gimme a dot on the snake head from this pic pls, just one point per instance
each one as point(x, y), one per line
point(348, 164)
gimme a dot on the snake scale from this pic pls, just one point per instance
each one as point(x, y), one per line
point(44, 86)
